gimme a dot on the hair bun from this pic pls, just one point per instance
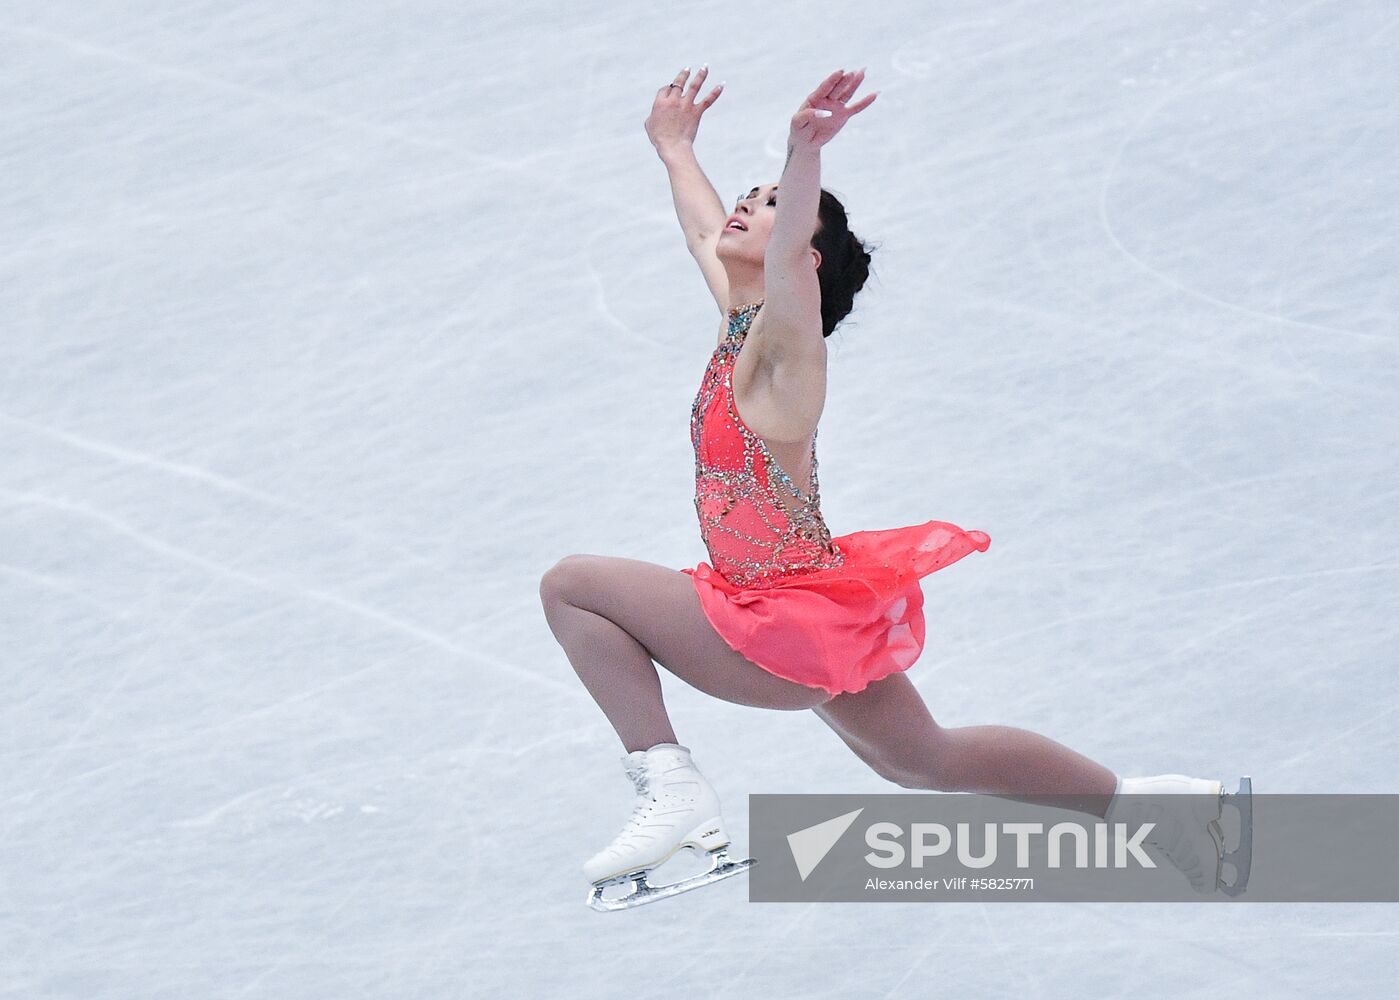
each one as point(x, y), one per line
point(845, 261)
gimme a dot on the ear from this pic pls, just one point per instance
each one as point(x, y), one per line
point(817, 255)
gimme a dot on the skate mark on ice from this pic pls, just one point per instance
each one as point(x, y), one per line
point(291, 105)
point(316, 595)
point(62, 586)
point(1118, 609)
point(204, 476)
point(1202, 80)
point(1337, 737)
point(42, 783)
point(301, 947)
point(1153, 932)
point(522, 166)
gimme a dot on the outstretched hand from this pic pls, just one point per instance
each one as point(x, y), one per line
point(824, 112)
point(675, 116)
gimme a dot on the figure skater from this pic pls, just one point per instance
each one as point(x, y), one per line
point(787, 616)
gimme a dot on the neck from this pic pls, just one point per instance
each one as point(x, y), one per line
point(745, 285)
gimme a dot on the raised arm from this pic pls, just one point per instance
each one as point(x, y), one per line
point(672, 127)
point(792, 307)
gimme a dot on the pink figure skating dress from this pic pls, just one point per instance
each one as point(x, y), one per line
point(832, 613)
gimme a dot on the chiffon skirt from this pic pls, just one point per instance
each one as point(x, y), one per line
point(839, 629)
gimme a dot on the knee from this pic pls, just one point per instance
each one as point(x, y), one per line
point(561, 580)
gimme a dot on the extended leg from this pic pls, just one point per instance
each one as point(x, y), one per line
point(890, 728)
point(614, 616)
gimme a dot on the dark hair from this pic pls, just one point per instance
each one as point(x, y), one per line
point(845, 262)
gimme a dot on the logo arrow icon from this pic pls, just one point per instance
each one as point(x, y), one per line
point(811, 845)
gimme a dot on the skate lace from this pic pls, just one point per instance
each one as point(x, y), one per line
point(644, 801)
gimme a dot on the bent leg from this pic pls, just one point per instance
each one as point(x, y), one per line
point(614, 616)
point(890, 728)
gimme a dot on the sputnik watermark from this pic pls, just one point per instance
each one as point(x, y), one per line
point(1166, 847)
point(889, 851)
point(1110, 848)
point(959, 846)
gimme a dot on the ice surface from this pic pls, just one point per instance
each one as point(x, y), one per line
point(326, 329)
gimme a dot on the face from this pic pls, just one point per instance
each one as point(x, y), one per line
point(758, 210)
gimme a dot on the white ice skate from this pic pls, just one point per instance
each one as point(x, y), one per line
point(1189, 835)
point(675, 808)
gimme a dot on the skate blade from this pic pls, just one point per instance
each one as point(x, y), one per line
point(721, 867)
point(1241, 857)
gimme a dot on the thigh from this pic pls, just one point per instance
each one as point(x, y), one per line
point(658, 607)
point(887, 725)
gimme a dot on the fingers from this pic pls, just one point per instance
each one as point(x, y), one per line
point(713, 96)
point(678, 86)
point(824, 89)
point(855, 109)
point(846, 88)
point(694, 86)
point(840, 86)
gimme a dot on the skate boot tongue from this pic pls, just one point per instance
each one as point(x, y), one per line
point(635, 766)
point(643, 766)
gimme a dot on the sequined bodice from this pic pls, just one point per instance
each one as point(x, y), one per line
point(755, 522)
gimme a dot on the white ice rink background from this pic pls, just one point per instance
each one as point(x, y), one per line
point(325, 329)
